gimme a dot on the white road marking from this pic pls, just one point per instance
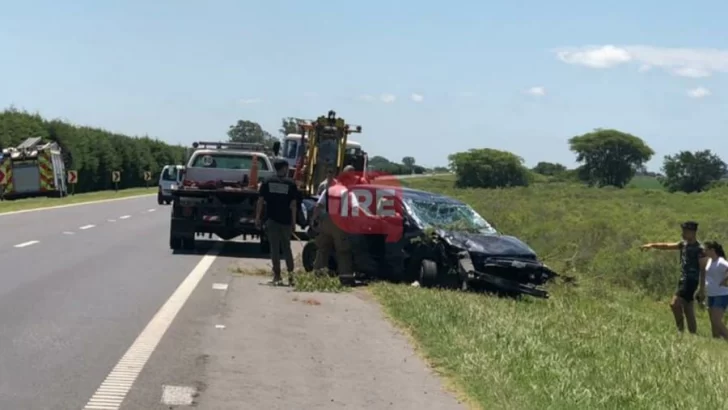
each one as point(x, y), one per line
point(111, 220)
point(178, 395)
point(151, 210)
point(24, 244)
point(68, 233)
point(219, 326)
point(122, 376)
point(219, 286)
point(86, 227)
point(102, 201)
point(125, 217)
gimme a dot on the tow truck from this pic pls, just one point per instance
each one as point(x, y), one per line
point(292, 148)
point(218, 193)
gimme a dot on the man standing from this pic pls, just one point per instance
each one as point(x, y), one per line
point(692, 263)
point(279, 196)
point(329, 181)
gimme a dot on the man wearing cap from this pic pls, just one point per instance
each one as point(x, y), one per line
point(692, 279)
point(280, 197)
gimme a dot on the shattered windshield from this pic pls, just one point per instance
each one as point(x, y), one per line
point(450, 216)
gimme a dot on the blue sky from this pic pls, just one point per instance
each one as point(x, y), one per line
point(517, 75)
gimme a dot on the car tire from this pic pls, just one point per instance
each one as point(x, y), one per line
point(428, 273)
point(175, 243)
point(159, 199)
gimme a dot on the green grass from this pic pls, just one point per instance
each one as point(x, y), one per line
point(303, 281)
point(608, 343)
point(34, 203)
point(645, 182)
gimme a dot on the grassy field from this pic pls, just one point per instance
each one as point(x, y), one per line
point(610, 342)
point(33, 203)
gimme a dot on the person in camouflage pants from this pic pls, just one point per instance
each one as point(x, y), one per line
point(691, 285)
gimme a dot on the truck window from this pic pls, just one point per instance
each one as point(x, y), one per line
point(228, 161)
point(170, 174)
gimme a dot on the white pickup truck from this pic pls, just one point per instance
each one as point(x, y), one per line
point(216, 195)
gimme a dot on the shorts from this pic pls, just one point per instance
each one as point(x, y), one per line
point(720, 302)
point(686, 289)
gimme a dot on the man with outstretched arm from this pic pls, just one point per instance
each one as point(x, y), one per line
point(692, 278)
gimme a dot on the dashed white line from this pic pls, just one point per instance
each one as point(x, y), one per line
point(86, 227)
point(151, 210)
point(24, 244)
point(111, 220)
point(68, 233)
point(125, 217)
point(122, 376)
point(220, 286)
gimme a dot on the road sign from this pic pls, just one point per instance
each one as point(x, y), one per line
point(72, 177)
point(2, 178)
point(115, 176)
point(147, 176)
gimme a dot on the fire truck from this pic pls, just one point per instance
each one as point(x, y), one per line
point(33, 168)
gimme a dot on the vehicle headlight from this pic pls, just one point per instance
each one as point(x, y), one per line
point(173, 186)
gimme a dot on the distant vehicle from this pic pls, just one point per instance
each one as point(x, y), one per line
point(33, 168)
point(169, 179)
point(445, 241)
point(218, 193)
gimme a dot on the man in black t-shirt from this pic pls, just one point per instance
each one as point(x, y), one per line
point(691, 285)
point(280, 196)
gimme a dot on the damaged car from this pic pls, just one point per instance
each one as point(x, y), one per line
point(444, 242)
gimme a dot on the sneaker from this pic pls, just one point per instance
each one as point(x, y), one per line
point(276, 281)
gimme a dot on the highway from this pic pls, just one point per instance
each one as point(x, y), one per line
point(89, 291)
point(78, 286)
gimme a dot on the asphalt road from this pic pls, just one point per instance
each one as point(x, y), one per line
point(77, 294)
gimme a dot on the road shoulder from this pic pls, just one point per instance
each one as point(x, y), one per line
point(255, 345)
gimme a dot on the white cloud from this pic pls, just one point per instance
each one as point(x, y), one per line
point(685, 62)
point(251, 101)
point(537, 91)
point(388, 98)
point(417, 97)
point(366, 97)
point(699, 92)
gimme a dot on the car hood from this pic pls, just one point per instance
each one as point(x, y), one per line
point(495, 245)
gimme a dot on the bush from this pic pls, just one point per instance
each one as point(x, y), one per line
point(489, 168)
point(93, 152)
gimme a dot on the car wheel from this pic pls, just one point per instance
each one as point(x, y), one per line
point(175, 243)
point(428, 273)
point(159, 199)
point(308, 256)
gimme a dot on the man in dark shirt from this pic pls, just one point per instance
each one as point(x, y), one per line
point(692, 275)
point(280, 197)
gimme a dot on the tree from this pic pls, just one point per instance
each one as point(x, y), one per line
point(488, 168)
point(609, 157)
point(692, 171)
point(249, 131)
point(409, 162)
point(548, 168)
point(289, 125)
point(94, 153)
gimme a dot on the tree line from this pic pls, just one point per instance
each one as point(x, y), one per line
point(607, 157)
point(94, 153)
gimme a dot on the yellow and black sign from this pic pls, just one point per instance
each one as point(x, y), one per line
point(72, 177)
point(147, 176)
point(115, 176)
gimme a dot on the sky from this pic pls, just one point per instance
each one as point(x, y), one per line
point(422, 78)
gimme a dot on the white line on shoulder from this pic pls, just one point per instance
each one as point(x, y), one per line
point(48, 208)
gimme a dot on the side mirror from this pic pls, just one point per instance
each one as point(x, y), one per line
point(276, 148)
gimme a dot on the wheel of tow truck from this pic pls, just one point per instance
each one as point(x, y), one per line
point(159, 199)
point(175, 243)
point(428, 273)
point(264, 246)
